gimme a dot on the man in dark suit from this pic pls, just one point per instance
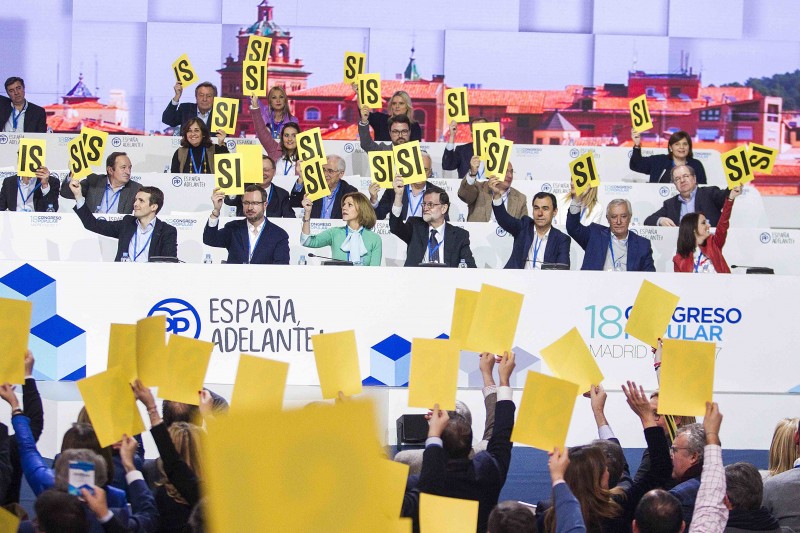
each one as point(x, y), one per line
point(278, 202)
point(412, 195)
point(459, 157)
point(254, 240)
point(141, 236)
point(17, 114)
point(30, 194)
point(176, 114)
point(430, 239)
point(612, 248)
point(531, 233)
point(690, 199)
point(331, 205)
point(113, 192)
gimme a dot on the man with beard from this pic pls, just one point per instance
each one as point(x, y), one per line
point(399, 132)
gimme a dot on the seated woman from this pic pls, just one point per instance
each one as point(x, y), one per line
point(592, 211)
point(698, 250)
point(276, 114)
point(659, 166)
point(284, 153)
point(399, 104)
point(353, 242)
point(196, 154)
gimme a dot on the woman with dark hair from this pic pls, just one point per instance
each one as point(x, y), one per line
point(659, 166)
point(196, 154)
point(284, 153)
point(698, 250)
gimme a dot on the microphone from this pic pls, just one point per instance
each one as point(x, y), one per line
point(330, 261)
point(755, 269)
point(164, 259)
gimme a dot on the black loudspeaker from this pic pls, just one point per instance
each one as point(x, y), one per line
point(412, 430)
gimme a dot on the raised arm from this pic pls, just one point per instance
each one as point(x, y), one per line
point(272, 147)
point(710, 512)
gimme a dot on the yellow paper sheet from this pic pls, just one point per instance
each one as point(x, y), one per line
point(545, 412)
point(408, 162)
point(260, 383)
point(569, 358)
point(369, 91)
point(184, 72)
point(31, 156)
point(687, 377)
point(736, 166)
point(224, 115)
point(94, 143)
point(439, 514)
point(482, 133)
point(15, 326)
point(314, 180)
point(498, 156)
point(309, 146)
point(254, 78)
point(381, 168)
point(9, 522)
point(122, 350)
point(640, 114)
point(583, 172)
point(494, 322)
point(336, 355)
point(229, 173)
point(389, 495)
point(78, 163)
point(187, 361)
point(111, 406)
point(456, 105)
point(151, 350)
point(433, 377)
point(761, 158)
point(258, 48)
point(354, 64)
point(463, 311)
point(252, 165)
point(651, 313)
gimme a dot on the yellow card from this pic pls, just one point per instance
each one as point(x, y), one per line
point(652, 310)
point(9, 522)
point(15, 327)
point(229, 173)
point(687, 377)
point(354, 64)
point(736, 166)
point(463, 311)
point(258, 48)
point(545, 412)
point(494, 322)
point(252, 163)
point(439, 514)
point(187, 361)
point(78, 163)
point(225, 111)
point(390, 498)
point(482, 133)
point(569, 358)
point(640, 115)
point(94, 143)
point(369, 91)
point(498, 155)
point(309, 146)
point(111, 405)
point(381, 168)
point(184, 72)
point(31, 157)
point(408, 162)
point(314, 180)
point(433, 376)
point(761, 158)
point(254, 78)
point(151, 350)
point(122, 350)
point(259, 383)
point(336, 355)
point(323, 470)
point(584, 172)
point(456, 105)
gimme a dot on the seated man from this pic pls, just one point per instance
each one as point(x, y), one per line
point(459, 157)
point(613, 248)
point(399, 132)
point(412, 199)
point(17, 114)
point(141, 236)
point(20, 193)
point(330, 206)
point(254, 240)
point(690, 199)
point(278, 204)
point(176, 114)
point(478, 197)
point(430, 239)
point(531, 233)
point(113, 192)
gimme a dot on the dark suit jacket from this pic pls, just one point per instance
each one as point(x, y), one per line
point(178, 115)
point(272, 247)
point(9, 195)
point(659, 167)
point(556, 250)
point(708, 200)
point(93, 187)
point(595, 239)
point(35, 116)
point(316, 208)
point(458, 159)
point(380, 125)
point(387, 200)
point(415, 233)
point(279, 205)
point(163, 244)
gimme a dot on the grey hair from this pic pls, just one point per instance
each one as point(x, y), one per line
point(619, 201)
point(695, 438)
point(339, 162)
point(79, 454)
point(463, 410)
point(672, 172)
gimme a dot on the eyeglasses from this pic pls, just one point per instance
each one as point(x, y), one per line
point(400, 132)
point(252, 204)
point(330, 170)
point(674, 449)
point(429, 205)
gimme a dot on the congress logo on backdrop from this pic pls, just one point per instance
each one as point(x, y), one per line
point(663, 191)
point(182, 317)
point(765, 237)
point(116, 142)
point(546, 187)
point(177, 181)
point(349, 147)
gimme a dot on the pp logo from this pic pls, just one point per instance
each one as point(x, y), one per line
point(349, 147)
point(500, 232)
point(181, 316)
point(630, 153)
point(116, 142)
point(3, 139)
point(546, 187)
point(231, 144)
point(765, 237)
point(574, 152)
point(177, 181)
point(663, 191)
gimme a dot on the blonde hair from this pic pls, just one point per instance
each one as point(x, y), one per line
point(783, 451)
point(186, 439)
point(409, 107)
point(588, 199)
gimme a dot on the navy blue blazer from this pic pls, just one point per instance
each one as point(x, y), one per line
point(387, 201)
point(272, 248)
point(35, 116)
point(415, 232)
point(595, 239)
point(458, 159)
point(659, 167)
point(178, 115)
point(278, 206)
point(556, 250)
point(296, 199)
point(708, 200)
point(9, 195)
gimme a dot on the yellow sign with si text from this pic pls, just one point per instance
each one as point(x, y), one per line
point(482, 133)
point(498, 156)
point(761, 158)
point(229, 173)
point(381, 168)
point(736, 166)
point(78, 163)
point(354, 65)
point(30, 157)
point(583, 171)
point(640, 114)
point(258, 48)
point(94, 142)
point(369, 91)
point(314, 180)
point(309, 146)
point(408, 162)
point(225, 111)
point(252, 166)
point(254, 78)
point(184, 72)
point(456, 105)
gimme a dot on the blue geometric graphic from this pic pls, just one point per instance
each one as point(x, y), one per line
point(28, 283)
point(390, 362)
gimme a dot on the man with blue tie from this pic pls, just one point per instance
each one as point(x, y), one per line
point(254, 240)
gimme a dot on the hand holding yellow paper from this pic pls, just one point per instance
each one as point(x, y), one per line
point(569, 358)
point(336, 355)
point(687, 377)
point(15, 325)
point(94, 143)
point(545, 412)
point(184, 72)
point(258, 48)
point(255, 78)
point(259, 383)
point(78, 163)
point(31, 157)
point(187, 360)
point(494, 322)
point(122, 350)
point(224, 113)
point(381, 168)
point(736, 166)
point(456, 105)
point(151, 350)
point(652, 310)
point(640, 114)
point(369, 91)
point(252, 165)
point(463, 311)
point(433, 377)
point(309, 146)
point(761, 158)
point(111, 406)
point(9, 522)
point(583, 171)
point(498, 157)
point(314, 180)
point(446, 515)
point(482, 133)
point(229, 173)
point(408, 162)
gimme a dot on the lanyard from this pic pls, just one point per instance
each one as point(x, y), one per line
point(287, 166)
point(699, 260)
point(26, 198)
point(195, 168)
point(537, 243)
point(136, 250)
point(583, 212)
point(15, 118)
point(613, 260)
point(413, 212)
point(276, 126)
point(252, 248)
point(113, 200)
point(432, 251)
point(269, 197)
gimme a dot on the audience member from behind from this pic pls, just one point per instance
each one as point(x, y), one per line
point(658, 512)
point(196, 153)
point(783, 449)
point(58, 512)
point(782, 493)
point(512, 517)
point(744, 492)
